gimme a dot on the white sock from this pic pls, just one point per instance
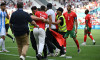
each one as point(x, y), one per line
point(93, 40)
point(1, 40)
point(3, 45)
point(85, 42)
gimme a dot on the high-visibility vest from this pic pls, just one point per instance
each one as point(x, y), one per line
point(63, 27)
point(31, 26)
point(6, 21)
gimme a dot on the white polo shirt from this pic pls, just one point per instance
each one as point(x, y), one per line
point(52, 13)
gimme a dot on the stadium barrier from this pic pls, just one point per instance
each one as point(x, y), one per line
point(93, 26)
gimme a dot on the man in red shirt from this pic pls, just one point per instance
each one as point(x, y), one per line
point(88, 26)
point(71, 23)
point(39, 33)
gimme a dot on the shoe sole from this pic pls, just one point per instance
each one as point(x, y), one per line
point(38, 57)
point(94, 43)
point(21, 59)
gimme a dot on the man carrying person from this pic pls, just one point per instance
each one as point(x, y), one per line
point(32, 38)
point(39, 33)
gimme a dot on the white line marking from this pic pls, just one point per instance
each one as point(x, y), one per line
point(67, 46)
point(18, 55)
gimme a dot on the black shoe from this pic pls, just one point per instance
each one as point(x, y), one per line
point(38, 56)
point(94, 43)
point(44, 58)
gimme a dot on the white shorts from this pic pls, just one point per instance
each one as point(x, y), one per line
point(3, 32)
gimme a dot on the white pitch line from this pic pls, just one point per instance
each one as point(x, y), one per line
point(66, 46)
point(18, 55)
point(85, 45)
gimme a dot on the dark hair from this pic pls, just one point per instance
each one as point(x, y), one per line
point(33, 8)
point(70, 5)
point(86, 11)
point(2, 4)
point(49, 6)
point(20, 5)
point(60, 9)
point(43, 8)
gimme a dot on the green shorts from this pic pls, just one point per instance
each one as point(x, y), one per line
point(89, 29)
point(71, 33)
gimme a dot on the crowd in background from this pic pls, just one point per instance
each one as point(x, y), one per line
point(79, 7)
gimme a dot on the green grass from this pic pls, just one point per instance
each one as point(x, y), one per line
point(90, 52)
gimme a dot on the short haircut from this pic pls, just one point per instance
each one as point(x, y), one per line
point(49, 6)
point(2, 4)
point(33, 8)
point(42, 8)
point(20, 5)
point(69, 5)
point(86, 11)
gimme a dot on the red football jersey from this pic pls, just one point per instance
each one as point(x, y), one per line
point(88, 17)
point(41, 15)
point(70, 19)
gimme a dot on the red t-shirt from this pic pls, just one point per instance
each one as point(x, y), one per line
point(70, 19)
point(41, 15)
point(88, 17)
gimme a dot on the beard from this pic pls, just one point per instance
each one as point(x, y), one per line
point(3, 9)
point(57, 13)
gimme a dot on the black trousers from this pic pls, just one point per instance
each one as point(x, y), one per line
point(51, 41)
point(33, 42)
point(7, 27)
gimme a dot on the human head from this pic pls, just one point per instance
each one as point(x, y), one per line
point(59, 10)
point(69, 7)
point(86, 11)
point(49, 6)
point(34, 9)
point(20, 5)
point(3, 6)
point(43, 8)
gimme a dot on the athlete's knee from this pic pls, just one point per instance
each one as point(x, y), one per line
point(74, 39)
point(88, 34)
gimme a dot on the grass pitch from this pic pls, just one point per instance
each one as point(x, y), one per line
point(88, 52)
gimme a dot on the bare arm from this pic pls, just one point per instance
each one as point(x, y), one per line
point(37, 18)
point(56, 23)
point(7, 14)
point(34, 23)
point(76, 23)
point(50, 21)
point(86, 24)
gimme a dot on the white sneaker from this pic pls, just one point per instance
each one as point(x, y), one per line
point(22, 57)
point(84, 43)
point(57, 51)
point(51, 54)
point(5, 51)
point(63, 55)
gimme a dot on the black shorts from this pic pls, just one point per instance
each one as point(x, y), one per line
point(7, 27)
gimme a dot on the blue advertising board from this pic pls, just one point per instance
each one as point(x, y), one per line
point(93, 26)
